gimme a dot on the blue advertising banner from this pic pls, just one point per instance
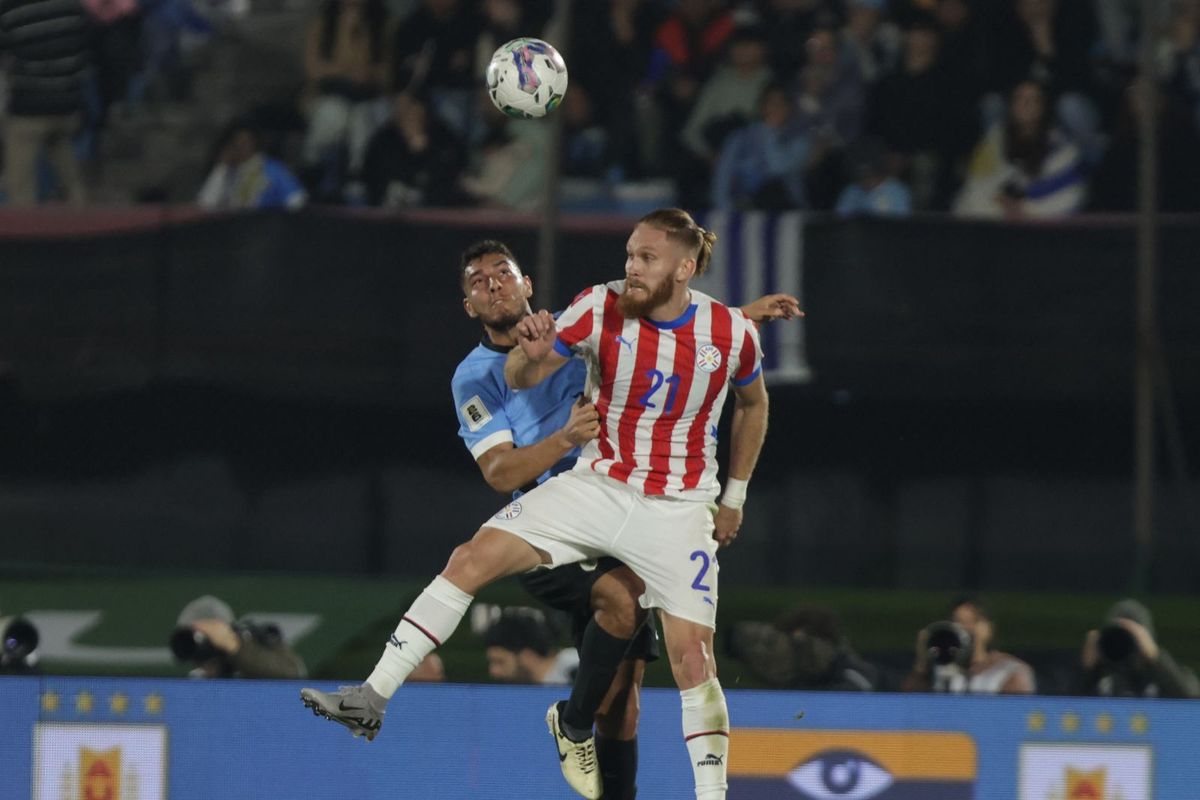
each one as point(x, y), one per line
point(124, 739)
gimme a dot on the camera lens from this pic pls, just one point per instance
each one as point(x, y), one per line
point(1116, 643)
point(948, 644)
point(189, 644)
point(20, 638)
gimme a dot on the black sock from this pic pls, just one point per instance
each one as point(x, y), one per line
point(600, 656)
point(618, 767)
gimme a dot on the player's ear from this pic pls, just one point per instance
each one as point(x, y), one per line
point(469, 308)
point(528, 282)
point(685, 270)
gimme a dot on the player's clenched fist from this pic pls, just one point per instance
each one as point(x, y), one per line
point(583, 425)
point(726, 524)
point(536, 334)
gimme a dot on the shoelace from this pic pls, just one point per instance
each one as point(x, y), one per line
point(585, 756)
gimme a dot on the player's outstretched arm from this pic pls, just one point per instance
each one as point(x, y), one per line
point(771, 307)
point(536, 359)
point(749, 431)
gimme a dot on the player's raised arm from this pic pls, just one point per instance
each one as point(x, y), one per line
point(749, 431)
point(537, 358)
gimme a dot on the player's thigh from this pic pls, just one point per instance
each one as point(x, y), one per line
point(669, 545)
point(570, 517)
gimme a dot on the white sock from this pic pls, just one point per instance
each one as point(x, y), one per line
point(706, 731)
point(429, 621)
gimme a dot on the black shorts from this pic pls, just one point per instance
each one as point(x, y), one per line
point(569, 589)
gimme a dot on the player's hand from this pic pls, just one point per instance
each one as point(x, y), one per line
point(536, 334)
point(222, 636)
point(727, 522)
point(583, 425)
point(772, 307)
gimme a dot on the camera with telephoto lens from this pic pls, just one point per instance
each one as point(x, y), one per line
point(191, 645)
point(948, 643)
point(18, 641)
point(1116, 643)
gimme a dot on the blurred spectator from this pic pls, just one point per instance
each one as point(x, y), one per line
point(804, 649)
point(243, 177)
point(873, 41)
point(433, 52)
point(762, 165)
point(414, 160)
point(521, 649)
point(831, 102)
point(610, 50)
point(1023, 167)
point(47, 44)
point(966, 49)
point(874, 192)
point(921, 116)
point(508, 172)
point(1114, 185)
point(790, 21)
point(1179, 57)
point(1123, 659)
point(727, 101)
point(967, 663)
point(686, 49)
point(208, 636)
point(586, 140)
point(345, 62)
point(430, 670)
point(1049, 42)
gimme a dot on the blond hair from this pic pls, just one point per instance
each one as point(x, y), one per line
point(680, 227)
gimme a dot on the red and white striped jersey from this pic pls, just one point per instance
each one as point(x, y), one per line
point(659, 387)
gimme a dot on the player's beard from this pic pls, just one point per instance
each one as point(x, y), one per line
point(631, 308)
point(507, 321)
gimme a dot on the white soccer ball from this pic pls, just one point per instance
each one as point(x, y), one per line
point(527, 78)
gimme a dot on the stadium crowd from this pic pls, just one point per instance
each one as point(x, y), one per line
point(1000, 109)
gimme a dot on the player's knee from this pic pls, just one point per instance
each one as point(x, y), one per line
point(694, 665)
point(615, 602)
point(466, 567)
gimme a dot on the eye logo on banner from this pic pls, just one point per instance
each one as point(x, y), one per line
point(1084, 772)
point(99, 762)
point(851, 765)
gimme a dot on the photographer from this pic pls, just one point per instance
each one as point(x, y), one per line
point(207, 635)
point(956, 656)
point(520, 648)
point(804, 649)
point(1122, 659)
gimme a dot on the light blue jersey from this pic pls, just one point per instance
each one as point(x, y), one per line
point(491, 413)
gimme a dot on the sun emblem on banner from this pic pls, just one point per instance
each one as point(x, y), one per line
point(100, 774)
point(708, 358)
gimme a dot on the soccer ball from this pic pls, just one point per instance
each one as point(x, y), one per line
point(526, 78)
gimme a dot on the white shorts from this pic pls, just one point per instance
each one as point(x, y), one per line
point(667, 542)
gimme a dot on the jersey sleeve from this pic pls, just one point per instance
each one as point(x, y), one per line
point(482, 421)
point(577, 326)
point(750, 354)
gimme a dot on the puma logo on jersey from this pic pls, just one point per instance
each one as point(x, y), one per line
point(628, 344)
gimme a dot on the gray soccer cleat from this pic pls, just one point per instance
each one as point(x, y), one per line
point(577, 759)
point(359, 708)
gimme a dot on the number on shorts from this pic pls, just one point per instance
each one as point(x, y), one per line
point(704, 564)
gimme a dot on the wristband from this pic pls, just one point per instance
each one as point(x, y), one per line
point(735, 493)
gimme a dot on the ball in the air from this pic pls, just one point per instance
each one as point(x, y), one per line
point(526, 78)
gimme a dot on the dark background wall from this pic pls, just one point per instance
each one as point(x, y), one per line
point(272, 392)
